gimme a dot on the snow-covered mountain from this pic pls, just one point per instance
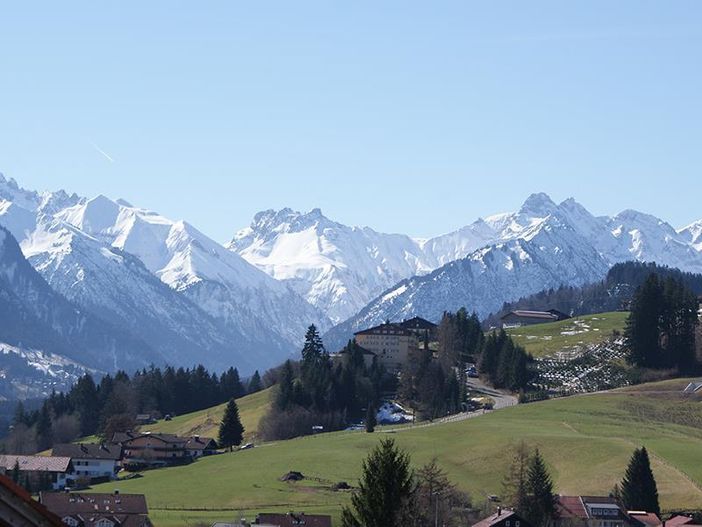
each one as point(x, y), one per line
point(693, 234)
point(547, 253)
point(338, 268)
point(163, 281)
point(335, 267)
point(45, 339)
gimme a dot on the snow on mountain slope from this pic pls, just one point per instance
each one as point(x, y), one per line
point(116, 286)
point(335, 267)
point(547, 254)
point(35, 316)
point(162, 281)
point(31, 373)
point(338, 268)
point(692, 234)
point(232, 291)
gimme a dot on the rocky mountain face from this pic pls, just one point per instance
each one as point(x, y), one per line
point(46, 340)
point(100, 284)
point(161, 282)
point(481, 265)
point(335, 267)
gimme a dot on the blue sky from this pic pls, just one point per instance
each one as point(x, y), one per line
point(411, 117)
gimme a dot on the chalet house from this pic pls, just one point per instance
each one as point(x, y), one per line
point(391, 343)
point(42, 471)
point(151, 449)
point(98, 510)
point(197, 446)
point(503, 518)
point(590, 511)
point(292, 519)
point(422, 328)
point(18, 508)
point(97, 462)
point(525, 317)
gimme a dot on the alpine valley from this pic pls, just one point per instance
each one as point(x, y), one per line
point(99, 284)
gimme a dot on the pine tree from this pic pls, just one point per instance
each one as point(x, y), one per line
point(285, 391)
point(643, 324)
point(385, 487)
point(515, 482)
point(638, 488)
point(43, 428)
point(16, 472)
point(231, 431)
point(370, 418)
point(540, 507)
point(255, 384)
point(20, 417)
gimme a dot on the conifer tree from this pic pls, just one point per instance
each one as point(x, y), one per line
point(515, 482)
point(638, 488)
point(16, 472)
point(255, 384)
point(385, 487)
point(231, 431)
point(43, 428)
point(285, 394)
point(20, 417)
point(371, 421)
point(540, 507)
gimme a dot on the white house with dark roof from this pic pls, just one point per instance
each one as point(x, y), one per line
point(91, 460)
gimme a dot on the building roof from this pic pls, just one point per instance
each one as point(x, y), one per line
point(124, 437)
point(293, 519)
point(88, 451)
point(581, 506)
point(389, 327)
point(495, 518)
point(18, 507)
point(36, 463)
point(67, 504)
point(648, 519)
point(200, 443)
point(570, 507)
point(678, 520)
point(417, 323)
point(526, 313)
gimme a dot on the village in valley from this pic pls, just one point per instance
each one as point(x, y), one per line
point(399, 357)
point(351, 264)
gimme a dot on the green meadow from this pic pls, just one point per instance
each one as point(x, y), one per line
point(546, 339)
point(586, 440)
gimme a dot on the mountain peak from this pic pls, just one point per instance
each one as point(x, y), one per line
point(538, 204)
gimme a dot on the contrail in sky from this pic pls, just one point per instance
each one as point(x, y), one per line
point(107, 156)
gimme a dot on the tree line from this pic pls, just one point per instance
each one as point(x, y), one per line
point(610, 294)
point(391, 493)
point(660, 329)
point(112, 404)
point(320, 392)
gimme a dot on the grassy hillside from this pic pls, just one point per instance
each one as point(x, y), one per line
point(206, 422)
point(587, 441)
point(546, 339)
